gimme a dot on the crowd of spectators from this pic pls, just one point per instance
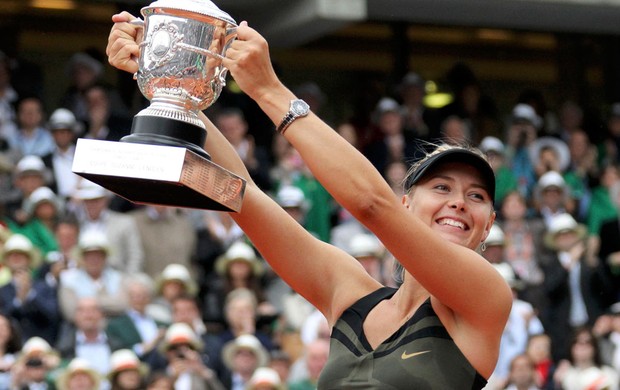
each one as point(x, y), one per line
point(97, 292)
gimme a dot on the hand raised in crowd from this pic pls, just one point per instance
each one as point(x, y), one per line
point(23, 284)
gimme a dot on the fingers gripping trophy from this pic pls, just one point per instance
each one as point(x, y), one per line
point(181, 73)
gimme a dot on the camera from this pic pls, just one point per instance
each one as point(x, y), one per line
point(34, 362)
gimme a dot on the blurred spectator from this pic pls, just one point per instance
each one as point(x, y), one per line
point(8, 98)
point(232, 124)
point(470, 103)
point(315, 359)
point(28, 175)
point(167, 236)
point(87, 338)
point(159, 380)
point(42, 210)
point(393, 144)
point(522, 323)
point(185, 310)
point(609, 245)
point(79, 375)
point(607, 331)
point(127, 372)
point(31, 137)
point(575, 284)
point(570, 120)
point(83, 71)
point(603, 206)
point(453, 130)
point(411, 91)
point(101, 121)
point(265, 378)
point(522, 374)
point(135, 328)
point(582, 172)
point(175, 281)
point(34, 367)
point(610, 147)
point(549, 154)
point(32, 303)
point(494, 245)
point(280, 362)
point(242, 356)
point(505, 180)
point(240, 310)
point(520, 134)
point(539, 350)
point(369, 251)
point(66, 232)
point(395, 174)
point(93, 212)
point(524, 249)
point(93, 279)
point(552, 196)
point(584, 370)
point(181, 349)
point(238, 267)
point(10, 346)
point(64, 128)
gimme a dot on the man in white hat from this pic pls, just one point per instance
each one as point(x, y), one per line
point(522, 131)
point(242, 356)
point(34, 364)
point(94, 278)
point(65, 129)
point(126, 251)
point(30, 302)
point(28, 174)
point(576, 283)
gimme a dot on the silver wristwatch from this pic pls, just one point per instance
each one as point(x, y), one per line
point(298, 109)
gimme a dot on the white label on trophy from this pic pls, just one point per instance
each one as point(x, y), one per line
point(126, 159)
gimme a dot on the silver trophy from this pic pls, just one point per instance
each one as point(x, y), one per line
point(181, 73)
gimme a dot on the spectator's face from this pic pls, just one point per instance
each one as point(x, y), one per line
point(129, 379)
point(552, 197)
point(239, 270)
point(239, 312)
point(83, 76)
point(522, 372)
point(245, 361)
point(513, 207)
point(317, 357)
point(63, 137)
point(233, 128)
point(94, 262)
point(35, 368)
point(45, 210)
point(27, 182)
point(185, 310)
point(30, 113)
point(391, 123)
point(139, 297)
point(172, 289)
point(17, 261)
point(94, 207)
point(80, 381)
point(88, 315)
point(539, 348)
point(66, 236)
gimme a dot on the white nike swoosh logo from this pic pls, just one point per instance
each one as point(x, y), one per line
point(406, 355)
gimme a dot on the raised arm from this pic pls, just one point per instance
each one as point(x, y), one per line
point(455, 275)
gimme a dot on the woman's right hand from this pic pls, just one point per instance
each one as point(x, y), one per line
point(123, 49)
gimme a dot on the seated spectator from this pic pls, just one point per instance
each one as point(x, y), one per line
point(64, 128)
point(174, 281)
point(522, 374)
point(87, 338)
point(127, 372)
point(314, 359)
point(583, 370)
point(575, 283)
point(240, 310)
point(552, 196)
point(94, 279)
point(94, 213)
point(505, 179)
point(167, 236)
point(31, 137)
point(34, 367)
point(539, 350)
point(243, 356)
point(185, 310)
point(79, 375)
point(29, 174)
point(135, 328)
point(42, 209)
point(32, 303)
point(265, 378)
point(181, 347)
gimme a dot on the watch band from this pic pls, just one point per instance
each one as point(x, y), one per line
point(297, 109)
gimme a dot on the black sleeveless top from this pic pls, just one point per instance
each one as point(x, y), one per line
point(420, 355)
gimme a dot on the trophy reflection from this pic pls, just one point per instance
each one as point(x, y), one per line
point(181, 73)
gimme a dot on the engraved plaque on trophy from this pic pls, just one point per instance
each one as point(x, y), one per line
point(181, 73)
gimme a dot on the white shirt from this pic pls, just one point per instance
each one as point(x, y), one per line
point(96, 352)
point(66, 180)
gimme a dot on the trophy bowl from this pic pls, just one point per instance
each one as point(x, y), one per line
point(180, 73)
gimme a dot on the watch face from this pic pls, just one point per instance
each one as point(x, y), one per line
point(300, 107)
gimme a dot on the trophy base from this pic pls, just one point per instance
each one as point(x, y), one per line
point(159, 174)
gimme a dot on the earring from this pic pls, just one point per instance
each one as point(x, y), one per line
point(483, 247)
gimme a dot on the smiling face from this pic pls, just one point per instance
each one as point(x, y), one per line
point(453, 201)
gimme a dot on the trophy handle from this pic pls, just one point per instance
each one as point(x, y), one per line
point(138, 23)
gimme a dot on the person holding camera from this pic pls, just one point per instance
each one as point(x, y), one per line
point(442, 327)
point(34, 365)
